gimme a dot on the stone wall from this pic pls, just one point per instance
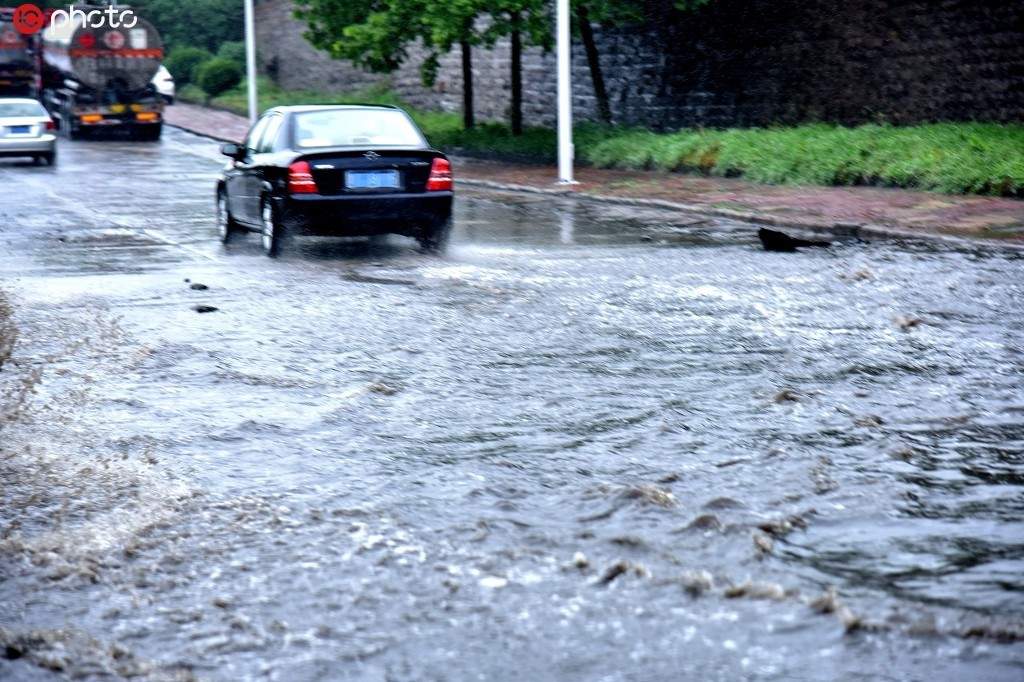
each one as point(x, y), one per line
point(736, 62)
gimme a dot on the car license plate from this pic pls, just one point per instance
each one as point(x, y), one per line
point(383, 179)
point(19, 130)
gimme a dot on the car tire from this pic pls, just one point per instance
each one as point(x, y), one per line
point(226, 225)
point(271, 229)
point(434, 239)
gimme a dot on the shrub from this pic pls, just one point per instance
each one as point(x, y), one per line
point(218, 75)
point(233, 51)
point(182, 63)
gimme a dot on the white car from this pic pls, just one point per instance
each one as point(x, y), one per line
point(163, 81)
point(27, 130)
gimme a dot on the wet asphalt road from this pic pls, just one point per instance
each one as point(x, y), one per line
point(592, 443)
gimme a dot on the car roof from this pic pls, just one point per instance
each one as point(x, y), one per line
point(299, 108)
point(19, 100)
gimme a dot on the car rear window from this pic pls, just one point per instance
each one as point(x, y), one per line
point(356, 128)
point(21, 109)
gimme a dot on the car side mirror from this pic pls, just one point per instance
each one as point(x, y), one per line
point(232, 150)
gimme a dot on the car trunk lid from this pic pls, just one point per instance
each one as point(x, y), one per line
point(379, 171)
point(22, 126)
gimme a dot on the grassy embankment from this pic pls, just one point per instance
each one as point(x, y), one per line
point(971, 158)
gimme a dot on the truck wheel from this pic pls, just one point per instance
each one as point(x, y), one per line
point(434, 239)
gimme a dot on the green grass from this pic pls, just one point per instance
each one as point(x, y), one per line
point(967, 158)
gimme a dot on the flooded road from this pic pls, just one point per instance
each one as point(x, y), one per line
point(591, 443)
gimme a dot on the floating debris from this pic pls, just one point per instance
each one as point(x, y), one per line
point(705, 522)
point(787, 395)
point(763, 544)
point(906, 323)
point(782, 527)
point(697, 583)
point(751, 590)
point(827, 602)
point(906, 454)
point(493, 582)
point(723, 503)
point(1003, 633)
point(196, 286)
point(650, 494)
point(205, 308)
point(613, 572)
point(621, 568)
point(382, 389)
point(580, 561)
point(857, 275)
point(631, 541)
point(869, 421)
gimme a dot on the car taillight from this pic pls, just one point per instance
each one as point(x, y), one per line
point(440, 176)
point(50, 125)
point(300, 178)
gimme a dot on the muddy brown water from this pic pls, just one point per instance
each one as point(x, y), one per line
point(592, 443)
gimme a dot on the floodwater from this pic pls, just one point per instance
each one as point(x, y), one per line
point(592, 443)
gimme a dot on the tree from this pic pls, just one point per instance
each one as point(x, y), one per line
point(606, 12)
point(526, 22)
point(196, 23)
point(448, 24)
point(375, 35)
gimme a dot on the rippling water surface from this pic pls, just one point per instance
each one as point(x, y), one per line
point(592, 444)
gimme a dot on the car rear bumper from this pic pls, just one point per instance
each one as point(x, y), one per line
point(366, 215)
point(25, 146)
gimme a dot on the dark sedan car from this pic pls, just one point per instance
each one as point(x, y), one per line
point(341, 170)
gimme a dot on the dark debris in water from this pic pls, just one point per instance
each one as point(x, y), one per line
point(205, 308)
point(76, 655)
point(619, 569)
point(381, 388)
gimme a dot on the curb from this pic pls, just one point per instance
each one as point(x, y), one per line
point(833, 229)
point(199, 133)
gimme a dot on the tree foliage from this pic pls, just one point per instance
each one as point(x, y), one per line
point(197, 23)
point(377, 34)
point(218, 75)
point(182, 62)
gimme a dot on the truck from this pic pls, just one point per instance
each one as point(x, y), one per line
point(19, 59)
point(100, 78)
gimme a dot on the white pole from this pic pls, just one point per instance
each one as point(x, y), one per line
point(250, 61)
point(565, 148)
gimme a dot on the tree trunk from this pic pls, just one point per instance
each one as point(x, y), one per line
point(468, 119)
point(517, 77)
point(604, 109)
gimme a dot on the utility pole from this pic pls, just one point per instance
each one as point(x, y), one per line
point(250, 61)
point(565, 147)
